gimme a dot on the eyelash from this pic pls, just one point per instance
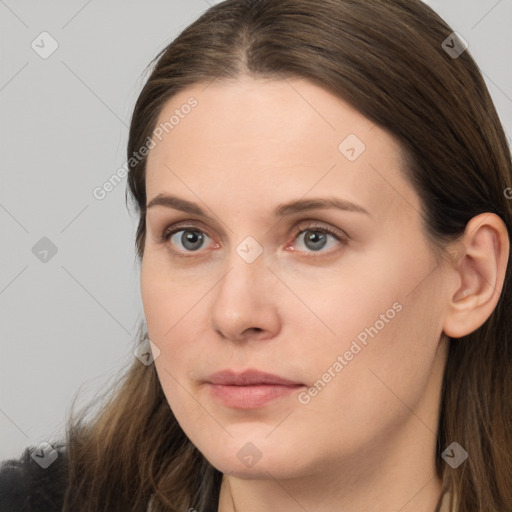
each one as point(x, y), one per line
point(168, 232)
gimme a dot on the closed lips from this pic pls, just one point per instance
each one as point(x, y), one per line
point(249, 377)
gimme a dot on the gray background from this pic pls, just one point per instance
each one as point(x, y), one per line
point(69, 322)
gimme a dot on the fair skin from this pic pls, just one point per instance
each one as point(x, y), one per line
point(366, 441)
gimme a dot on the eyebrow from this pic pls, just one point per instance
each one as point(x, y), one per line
point(282, 210)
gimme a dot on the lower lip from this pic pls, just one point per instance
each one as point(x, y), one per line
point(250, 397)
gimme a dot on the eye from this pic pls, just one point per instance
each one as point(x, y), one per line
point(316, 237)
point(187, 239)
point(312, 238)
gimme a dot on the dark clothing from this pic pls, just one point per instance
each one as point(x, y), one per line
point(26, 487)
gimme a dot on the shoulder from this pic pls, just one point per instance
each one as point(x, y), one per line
point(35, 482)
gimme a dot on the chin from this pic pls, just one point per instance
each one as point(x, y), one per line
point(248, 462)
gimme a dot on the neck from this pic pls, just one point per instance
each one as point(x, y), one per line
point(249, 496)
point(402, 477)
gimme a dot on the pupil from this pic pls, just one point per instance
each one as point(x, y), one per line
point(189, 238)
point(315, 237)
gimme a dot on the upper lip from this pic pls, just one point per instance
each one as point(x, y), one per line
point(248, 377)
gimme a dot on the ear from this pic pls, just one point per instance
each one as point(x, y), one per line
point(478, 266)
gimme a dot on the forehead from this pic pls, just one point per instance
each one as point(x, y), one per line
point(273, 137)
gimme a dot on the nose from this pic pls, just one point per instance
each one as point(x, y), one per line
point(246, 301)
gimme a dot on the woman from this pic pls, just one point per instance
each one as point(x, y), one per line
point(323, 191)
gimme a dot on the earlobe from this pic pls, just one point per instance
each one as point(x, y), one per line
point(480, 266)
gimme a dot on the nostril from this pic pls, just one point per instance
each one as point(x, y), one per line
point(251, 331)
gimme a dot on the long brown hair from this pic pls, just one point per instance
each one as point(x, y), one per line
point(387, 59)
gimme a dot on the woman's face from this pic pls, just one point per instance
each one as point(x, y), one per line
point(347, 301)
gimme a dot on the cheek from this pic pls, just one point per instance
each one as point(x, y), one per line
point(370, 393)
point(173, 317)
point(156, 302)
point(165, 300)
point(383, 322)
point(343, 306)
point(388, 356)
